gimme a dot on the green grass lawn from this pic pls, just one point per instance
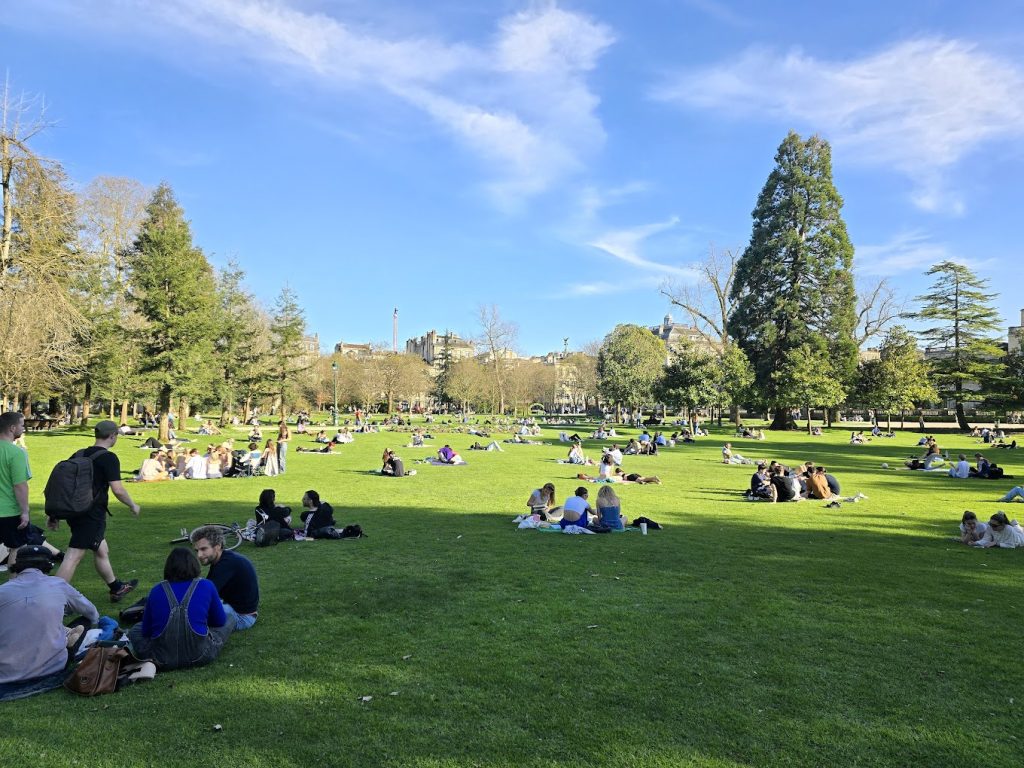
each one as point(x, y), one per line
point(741, 634)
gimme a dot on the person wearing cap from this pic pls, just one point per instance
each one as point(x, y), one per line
point(32, 608)
point(1002, 532)
point(89, 530)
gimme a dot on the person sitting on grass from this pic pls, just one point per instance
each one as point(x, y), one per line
point(195, 468)
point(857, 438)
point(318, 517)
point(983, 467)
point(606, 470)
point(256, 435)
point(184, 623)
point(786, 488)
point(1002, 532)
point(632, 447)
point(33, 637)
point(961, 470)
point(321, 437)
point(761, 488)
point(447, 456)
point(576, 456)
point(817, 485)
point(269, 509)
point(542, 501)
point(971, 529)
point(609, 509)
point(342, 436)
point(152, 469)
point(231, 573)
point(392, 465)
point(575, 509)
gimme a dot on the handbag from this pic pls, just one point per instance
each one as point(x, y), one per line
point(97, 672)
point(268, 533)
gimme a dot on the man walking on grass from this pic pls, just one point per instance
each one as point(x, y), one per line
point(89, 529)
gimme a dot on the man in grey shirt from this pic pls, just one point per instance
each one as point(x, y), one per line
point(32, 606)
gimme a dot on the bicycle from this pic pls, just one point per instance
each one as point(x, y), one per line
point(233, 534)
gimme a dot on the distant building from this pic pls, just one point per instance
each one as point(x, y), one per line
point(676, 334)
point(431, 347)
point(1015, 337)
point(353, 350)
point(869, 355)
point(310, 350)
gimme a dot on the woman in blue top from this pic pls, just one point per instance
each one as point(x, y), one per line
point(184, 624)
point(609, 508)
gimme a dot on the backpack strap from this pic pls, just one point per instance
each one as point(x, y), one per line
point(172, 600)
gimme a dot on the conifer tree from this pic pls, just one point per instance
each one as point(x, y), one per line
point(961, 323)
point(288, 356)
point(794, 287)
point(172, 288)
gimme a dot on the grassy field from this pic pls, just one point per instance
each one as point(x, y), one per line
point(741, 635)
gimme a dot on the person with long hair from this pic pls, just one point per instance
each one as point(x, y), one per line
point(268, 459)
point(184, 623)
point(542, 501)
point(1002, 532)
point(283, 436)
point(269, 509)
point(609, 508)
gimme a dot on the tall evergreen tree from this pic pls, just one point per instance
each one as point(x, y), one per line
point(961, 323)
point(794, 286)
point(288, 355)
point(172, 288)
point(240, 352)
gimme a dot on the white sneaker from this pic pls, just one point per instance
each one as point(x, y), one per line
point(861, 496)
point(411, 472)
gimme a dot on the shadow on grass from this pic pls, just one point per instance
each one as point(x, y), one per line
point(731, 642)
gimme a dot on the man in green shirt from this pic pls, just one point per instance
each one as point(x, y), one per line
point(14, 477)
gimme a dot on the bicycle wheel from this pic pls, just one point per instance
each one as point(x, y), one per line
point(231, 533)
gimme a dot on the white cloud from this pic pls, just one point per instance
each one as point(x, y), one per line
point(520, 102)
point(918, 106)
point(606, 287)
point(624, 244)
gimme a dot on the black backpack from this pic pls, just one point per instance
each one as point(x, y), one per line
point(267, 534)
point(995, 472)
point(69, 491)
point(352, 532)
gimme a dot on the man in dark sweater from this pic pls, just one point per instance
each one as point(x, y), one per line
point(232, 574)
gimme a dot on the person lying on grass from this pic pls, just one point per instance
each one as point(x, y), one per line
point(971, 529)
point(329, 448)
point(576, 508)
point(728, 457)
point(190, 637)
point(621, 477)
point(1002, 532)
point(1017, 492)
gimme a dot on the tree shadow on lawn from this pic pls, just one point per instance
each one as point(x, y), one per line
point(728, 640)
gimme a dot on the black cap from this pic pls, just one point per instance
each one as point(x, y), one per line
point(32, 556)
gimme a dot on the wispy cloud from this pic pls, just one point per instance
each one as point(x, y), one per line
point(606, 287)
point(625, 245)
point(519, 102)
point(911, 251)
point(919, 106)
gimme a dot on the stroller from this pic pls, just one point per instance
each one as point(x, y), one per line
point(243, 465)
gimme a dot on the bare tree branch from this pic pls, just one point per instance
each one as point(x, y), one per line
point(877, 308)
point(707, 303)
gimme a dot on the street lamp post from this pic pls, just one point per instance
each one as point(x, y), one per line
point(334, 368)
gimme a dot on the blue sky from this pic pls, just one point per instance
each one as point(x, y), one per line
point(559, 160)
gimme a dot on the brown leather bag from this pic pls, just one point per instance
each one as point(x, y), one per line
point(97, 672)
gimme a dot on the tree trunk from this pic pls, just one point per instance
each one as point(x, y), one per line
point(808, 419)
point(225, 414)
point(961, 417)
point(164, 407)
point(888, 422)
point(182, 414)
point(247, 409)
point(86, 403)
point(124, 411)
point(783, 420)
point(110, 410)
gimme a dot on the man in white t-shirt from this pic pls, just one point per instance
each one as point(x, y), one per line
point(616, 455)
point(961, 470)
point(195, 468)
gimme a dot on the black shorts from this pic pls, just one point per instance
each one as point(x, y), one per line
point(10, 536)
point(88, 530)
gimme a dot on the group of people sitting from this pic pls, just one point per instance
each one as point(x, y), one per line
point(931, 457)
point(316, 521)
point(983, 468)
point(341, 435)
point(999, 531)
point(576, 510)
point(184, 621)
point(218, 461)
point(775, 482)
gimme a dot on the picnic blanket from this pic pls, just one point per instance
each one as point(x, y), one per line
point(439, 463)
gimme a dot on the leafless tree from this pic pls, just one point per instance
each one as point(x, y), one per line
point(707, 302)
point(877, 308)
point(498, 340)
